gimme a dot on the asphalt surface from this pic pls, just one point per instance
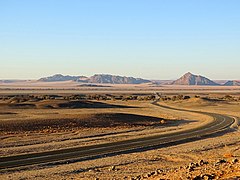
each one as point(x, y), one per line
point(219, 124)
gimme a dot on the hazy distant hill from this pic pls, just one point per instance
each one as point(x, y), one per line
point(60, 77)
point(186, 79)
point(97, 78)
point(232, 83)
point(12, 81)
point(191, 79)
point(111, 79)
point(161, 82)
point(221, 82)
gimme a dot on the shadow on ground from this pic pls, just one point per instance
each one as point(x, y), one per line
point(90, 104)
point(102, 120)
point(62, 104)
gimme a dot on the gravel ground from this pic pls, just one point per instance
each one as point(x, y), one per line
point(212, 158)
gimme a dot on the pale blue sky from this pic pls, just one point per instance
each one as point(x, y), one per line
point(155, 39)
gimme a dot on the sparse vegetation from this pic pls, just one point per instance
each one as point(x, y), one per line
point(41, 122)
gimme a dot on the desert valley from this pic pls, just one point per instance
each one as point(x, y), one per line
point(120, 90)
point(115, 127)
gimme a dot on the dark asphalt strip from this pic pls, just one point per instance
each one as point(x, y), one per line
point(220, 123)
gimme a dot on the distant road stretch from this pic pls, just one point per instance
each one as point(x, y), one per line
point(219, 124)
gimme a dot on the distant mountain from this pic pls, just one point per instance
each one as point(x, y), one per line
point(60, 77)
point(12, 81)
point(161, 82)
point(221, 82)
point(97, 78)
point(111, 79)
point(232, 83)
point(191, 79)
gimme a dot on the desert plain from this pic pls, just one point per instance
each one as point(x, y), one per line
point(35, 120)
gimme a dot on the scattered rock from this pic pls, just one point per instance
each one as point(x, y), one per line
point(220, 161)
point(138, 177)
point(145, 175)
point(162, 122)
point(197, 178)
point(204, 177)
point(78, 171)
point(202, 162)
point(234, 161)
point(235, 178)
point(158, 171)
point(150, 174)
point(112, 168)
point(191, 166)
point(190, 169)
point(208, 176)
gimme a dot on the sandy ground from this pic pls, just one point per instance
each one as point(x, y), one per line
point(167, 162)
point(50, 138)
point(71, 87)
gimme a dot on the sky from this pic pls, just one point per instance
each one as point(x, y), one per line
point(153, 39)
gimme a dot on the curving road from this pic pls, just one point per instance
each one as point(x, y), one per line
point(220, 123)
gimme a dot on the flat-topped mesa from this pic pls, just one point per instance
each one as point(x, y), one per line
point(191, 79)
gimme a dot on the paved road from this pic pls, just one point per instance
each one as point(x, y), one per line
point(220, 123)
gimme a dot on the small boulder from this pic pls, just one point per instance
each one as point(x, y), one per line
point(197, 178)
point(208, 176)
point(220, 161)
point(162, 122)
point(234, 161)
point(159, 171)
point(112, 168)
point(202, 162)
